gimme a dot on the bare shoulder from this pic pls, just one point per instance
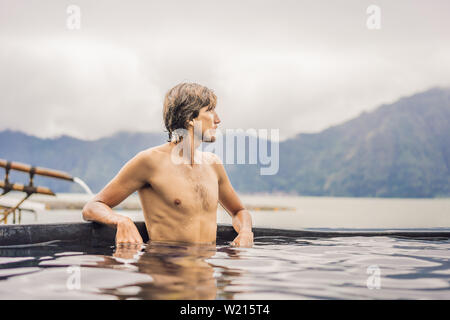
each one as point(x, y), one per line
point(211, 158)
point(216, 163)
point(152, 156)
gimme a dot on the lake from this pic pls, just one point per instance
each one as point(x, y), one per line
point(306, 213)
point(276, 267)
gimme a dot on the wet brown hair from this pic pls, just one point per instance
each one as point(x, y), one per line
point(183, 102)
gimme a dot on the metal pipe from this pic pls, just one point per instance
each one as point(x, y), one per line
point(37, 170)
point(29, 189)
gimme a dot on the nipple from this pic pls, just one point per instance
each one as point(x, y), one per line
point(177, 202)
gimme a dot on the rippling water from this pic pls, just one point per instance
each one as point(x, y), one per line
point(275, 268)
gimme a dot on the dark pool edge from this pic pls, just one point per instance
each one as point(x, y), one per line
point(94, 233)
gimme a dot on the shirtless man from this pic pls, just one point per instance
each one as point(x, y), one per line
point(179, 198)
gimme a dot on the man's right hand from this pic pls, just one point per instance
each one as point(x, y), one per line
point(127, 232)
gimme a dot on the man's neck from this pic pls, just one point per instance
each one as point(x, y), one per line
point(187, 148)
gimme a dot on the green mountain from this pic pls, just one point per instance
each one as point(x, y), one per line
point(398, 150)
point(96, 162)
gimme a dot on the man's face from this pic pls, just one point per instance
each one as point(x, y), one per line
point(208, 120)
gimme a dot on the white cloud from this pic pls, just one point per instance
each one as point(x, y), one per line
point(297, 66)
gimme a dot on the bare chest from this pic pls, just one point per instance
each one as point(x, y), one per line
point(187, 188)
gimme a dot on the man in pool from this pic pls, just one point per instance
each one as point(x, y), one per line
point(179, 188)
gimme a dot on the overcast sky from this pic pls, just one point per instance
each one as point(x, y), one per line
point(297, 66)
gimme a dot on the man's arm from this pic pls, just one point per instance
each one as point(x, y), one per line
point(241, 218)
point(129, 179)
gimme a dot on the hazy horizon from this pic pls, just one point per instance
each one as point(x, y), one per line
point(163, 132)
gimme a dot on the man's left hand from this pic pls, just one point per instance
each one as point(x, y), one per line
point(244, 239)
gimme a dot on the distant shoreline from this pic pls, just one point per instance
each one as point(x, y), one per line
point(76, 201)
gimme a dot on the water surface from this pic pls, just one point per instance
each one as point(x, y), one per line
point(307, 212)
point(275, 268)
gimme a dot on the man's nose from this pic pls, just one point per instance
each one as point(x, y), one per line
point(216, 119)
